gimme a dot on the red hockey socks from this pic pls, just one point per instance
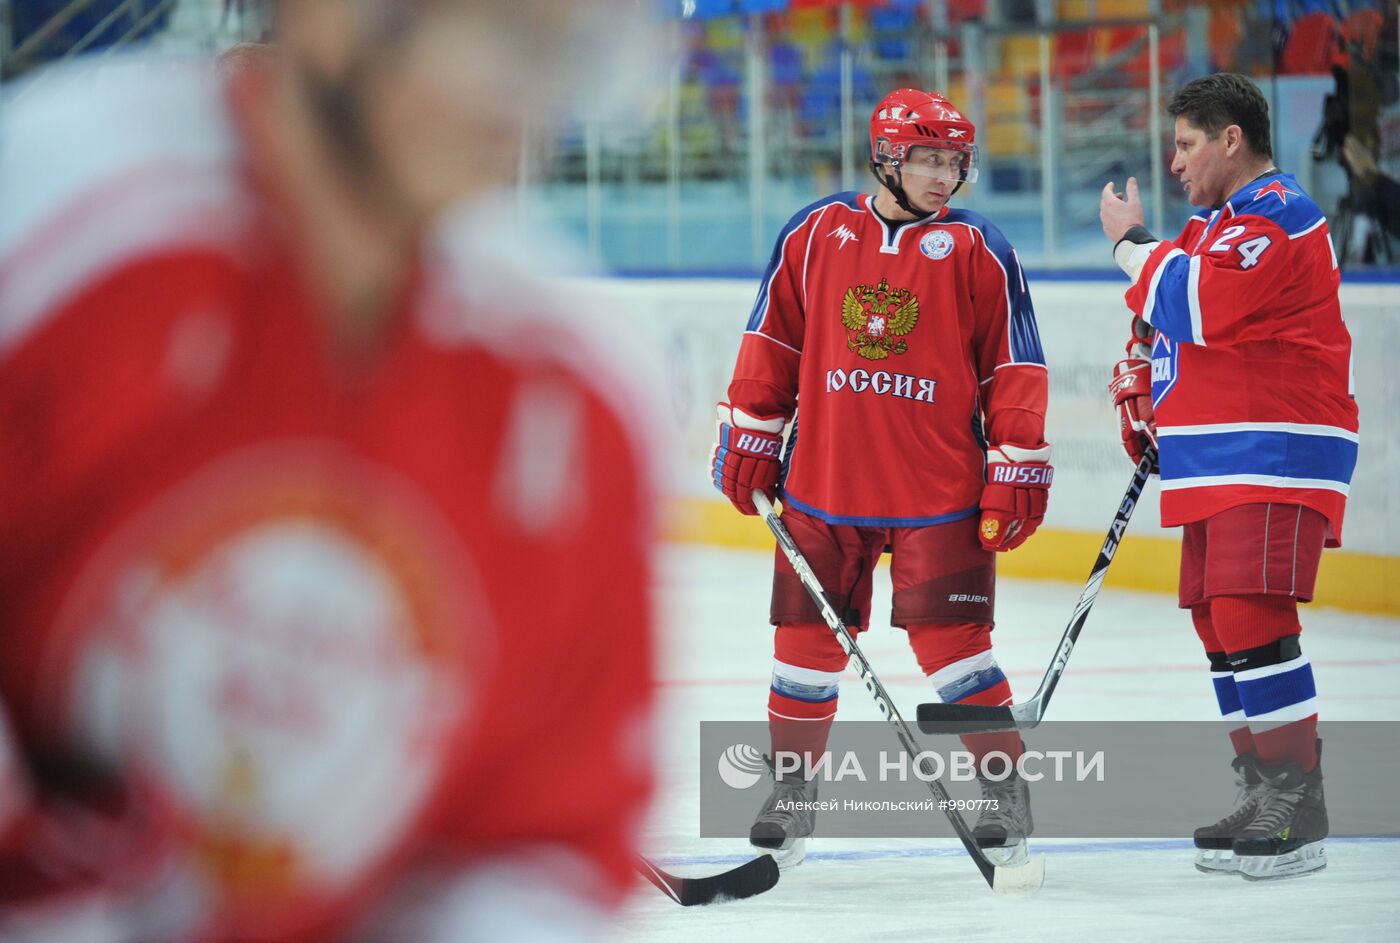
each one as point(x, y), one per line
point(1222, 679)
point(1273, 679)
point(807, 666)
point(958, 661)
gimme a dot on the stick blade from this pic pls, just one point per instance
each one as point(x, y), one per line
point(964, 718)
point(747, 880)
point(1025, 878)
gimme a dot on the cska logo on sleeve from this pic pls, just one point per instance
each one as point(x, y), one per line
point(1277, 189)
point(876, 319)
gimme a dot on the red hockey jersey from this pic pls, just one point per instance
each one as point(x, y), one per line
point(902, 349)
point(1251, 363)
point(338, 618)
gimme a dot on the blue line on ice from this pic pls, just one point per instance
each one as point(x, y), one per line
point(1067, 847)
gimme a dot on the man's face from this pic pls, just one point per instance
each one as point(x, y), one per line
point(443, 91)
point(1202, 163)
point(929, 176)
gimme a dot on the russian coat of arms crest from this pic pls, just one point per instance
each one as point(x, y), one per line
point(876, 319)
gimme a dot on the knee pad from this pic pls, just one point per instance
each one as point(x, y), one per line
point(804, 645)
point(807, 666)
point(957, 659)
point(937, 645)
point(1277, 652)
point(1244, 623)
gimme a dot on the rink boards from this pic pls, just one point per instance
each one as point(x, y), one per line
point(685, 333)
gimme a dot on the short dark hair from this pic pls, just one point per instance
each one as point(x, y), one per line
point(1215, 102)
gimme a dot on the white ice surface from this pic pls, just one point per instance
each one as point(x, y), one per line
point(1138, 658)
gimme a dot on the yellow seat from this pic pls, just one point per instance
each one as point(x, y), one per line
point(1020, 56)
point(1069, 10)
point(1122, 9)
point(1006, 98)
point(1009, 138)
point(956, 92)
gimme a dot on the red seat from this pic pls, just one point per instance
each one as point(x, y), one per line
point(1312, 45)
point(1074, 53)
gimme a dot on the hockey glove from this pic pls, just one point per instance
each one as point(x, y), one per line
point(746, 456)
point(1015, 495)
point(1131, 388)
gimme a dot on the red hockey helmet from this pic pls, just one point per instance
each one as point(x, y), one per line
point(907, 119)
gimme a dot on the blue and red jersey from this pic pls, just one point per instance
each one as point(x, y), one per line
point(1251, 363)
point(902, 349)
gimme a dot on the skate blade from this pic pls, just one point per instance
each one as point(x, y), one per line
point(1007, 856)
point(1216, 861)
point(1304, 860)
point(787, 857)
point(1020, 880)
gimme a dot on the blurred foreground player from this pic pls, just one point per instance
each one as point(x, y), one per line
point(1239, 371)
point(904, 329)
point(315, 525)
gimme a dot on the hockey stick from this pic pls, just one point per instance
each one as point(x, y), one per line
point(747, 880)
point(1003, 879)
point(966, 718)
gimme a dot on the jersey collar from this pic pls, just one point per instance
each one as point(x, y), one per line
point(1245, 194)
point(891, 235)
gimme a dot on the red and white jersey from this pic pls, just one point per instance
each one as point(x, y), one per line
point(357, 625)
point(1251, 364)
point(900, 347)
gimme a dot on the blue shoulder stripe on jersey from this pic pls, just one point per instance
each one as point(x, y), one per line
point(855, 521)
point(1280, 199)
point(1023, 335)
point(1274, 454)
point(760, 305)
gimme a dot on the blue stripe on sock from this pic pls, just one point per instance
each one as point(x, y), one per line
point(1277, 691)
point(811, 693)
point(968, 685)
point(1226, 694)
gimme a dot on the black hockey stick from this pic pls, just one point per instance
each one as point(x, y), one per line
point(1003, 879)
point(965, 718)
point(750, 878)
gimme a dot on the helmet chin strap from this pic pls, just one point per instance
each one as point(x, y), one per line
point(894, 183)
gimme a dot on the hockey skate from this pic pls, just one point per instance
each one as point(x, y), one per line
point(1214, 843)
point(1286, 838)
point(1005, 821)
point(786, 820)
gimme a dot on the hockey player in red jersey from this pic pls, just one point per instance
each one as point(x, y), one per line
point(894, 342)
point(1239, 373)
point(316, 517)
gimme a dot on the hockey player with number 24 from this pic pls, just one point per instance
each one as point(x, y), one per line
point(1239, 371)
point(904, 329)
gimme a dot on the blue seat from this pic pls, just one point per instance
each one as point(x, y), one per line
point(30, 17)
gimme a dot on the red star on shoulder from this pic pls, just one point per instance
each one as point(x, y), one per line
point(1277, 189)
